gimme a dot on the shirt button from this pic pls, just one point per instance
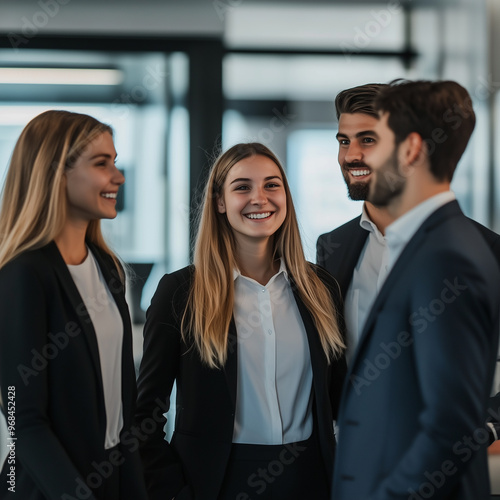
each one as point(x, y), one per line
point(263, 290)
point(270, 332)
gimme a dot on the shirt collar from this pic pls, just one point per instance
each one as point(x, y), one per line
point(403, 228)
point(367, 224)
point(282, 269)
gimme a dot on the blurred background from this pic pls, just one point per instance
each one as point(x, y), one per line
point(178, 81)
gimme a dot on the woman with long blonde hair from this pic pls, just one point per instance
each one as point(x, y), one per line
point(250, 334)
point(66, 368)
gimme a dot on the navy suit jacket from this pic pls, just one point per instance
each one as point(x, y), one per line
point(193, 463)
point(414, 404)
point(338, 252)
point(49, 353)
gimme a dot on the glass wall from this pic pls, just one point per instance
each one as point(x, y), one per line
point(145, 106)
point(286, 102)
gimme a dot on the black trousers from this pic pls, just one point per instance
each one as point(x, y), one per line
point(293, 471)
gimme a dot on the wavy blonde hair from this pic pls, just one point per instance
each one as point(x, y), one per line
point(34, 203)
point(210, 303)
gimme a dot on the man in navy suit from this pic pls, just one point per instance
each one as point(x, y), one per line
point(355, 252)
point(419, 381)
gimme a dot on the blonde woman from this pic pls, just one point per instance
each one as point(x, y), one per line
point(250, 335)
point(66, 368)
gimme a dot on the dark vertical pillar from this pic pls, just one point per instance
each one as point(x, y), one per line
point(408, 37)
point(205, 102)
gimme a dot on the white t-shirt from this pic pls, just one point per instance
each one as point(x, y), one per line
point(108, 326)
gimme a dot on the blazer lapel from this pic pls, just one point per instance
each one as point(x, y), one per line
point(397, 271)
point(347, 256)
point(231, 366)
point(69, 287)
point(318, 360)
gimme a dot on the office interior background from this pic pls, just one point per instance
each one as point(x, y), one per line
point(178, 81)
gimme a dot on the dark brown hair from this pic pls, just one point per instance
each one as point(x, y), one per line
point(440, 112)
point(358, 99)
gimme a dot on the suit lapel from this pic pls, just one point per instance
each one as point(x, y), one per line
point(78, 305)
point(398, 270)
point(231, 366)
point(346, 259)
point(318, 360)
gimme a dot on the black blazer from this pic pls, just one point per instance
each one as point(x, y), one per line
point(195, 459)
point(418, 386)
point(49, 353)
point(338, 251)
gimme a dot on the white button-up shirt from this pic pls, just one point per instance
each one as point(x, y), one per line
point(367, 278)
point(274, 386)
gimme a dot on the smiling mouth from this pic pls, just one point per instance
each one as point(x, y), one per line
point(263, 215)
point(109, 196)
point(360, 172)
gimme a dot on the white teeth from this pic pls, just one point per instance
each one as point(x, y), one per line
point(258, 216)
point(109, 195)
point(358, 173)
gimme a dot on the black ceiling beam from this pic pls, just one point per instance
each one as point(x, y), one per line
point(325, 52)
point(136, 43)
point(108, 43)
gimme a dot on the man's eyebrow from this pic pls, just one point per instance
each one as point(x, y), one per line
point(359, 134)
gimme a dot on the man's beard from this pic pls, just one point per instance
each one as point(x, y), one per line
point(387, 184)
point(357, 191)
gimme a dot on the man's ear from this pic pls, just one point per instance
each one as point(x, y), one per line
point(221, 206)
point(412, 150)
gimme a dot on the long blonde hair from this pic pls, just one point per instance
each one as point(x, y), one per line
point(34, 202)
point(210, 304)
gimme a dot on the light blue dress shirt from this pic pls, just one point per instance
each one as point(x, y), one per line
point(402, 230)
